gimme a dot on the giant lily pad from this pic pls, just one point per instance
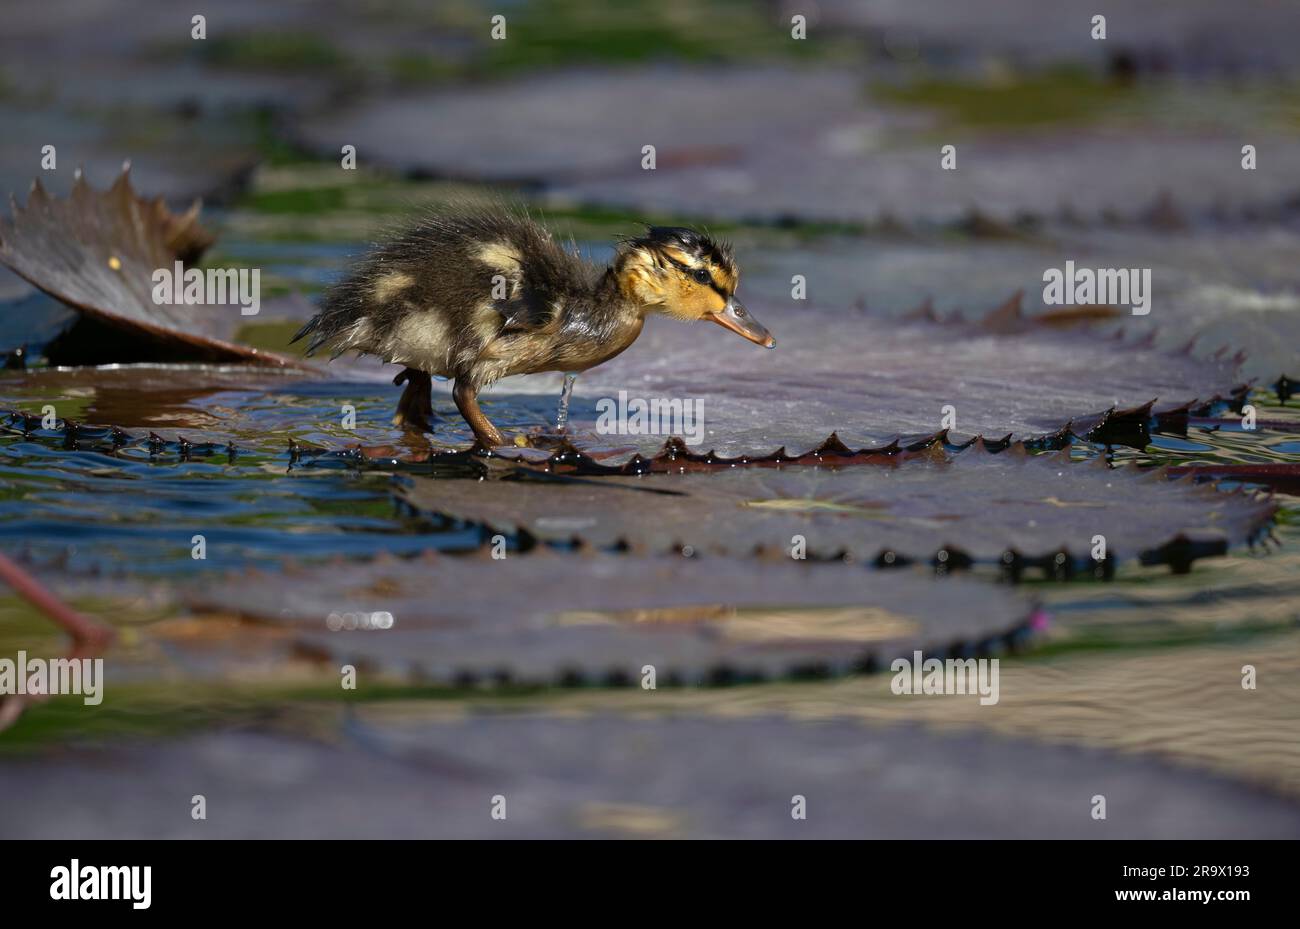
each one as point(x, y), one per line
point(611, 776)
point(870, 379)
point(579, 127)
point(97, 252)
point(1249, 37)
point(1218, 285)
point(808, 176)
point(256, 55)
point(1010, 506)
point(547, 618)
point(803, 144)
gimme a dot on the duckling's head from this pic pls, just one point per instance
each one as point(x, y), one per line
point(683, 273)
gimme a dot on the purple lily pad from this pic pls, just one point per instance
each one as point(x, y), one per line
point(579, 125)
point(978, 505)
point(1005, 178)
point(1220, 286)
point(870, 380)
point(1193, 37)
point(611, 776)
point(806, 144)
point(548, 618)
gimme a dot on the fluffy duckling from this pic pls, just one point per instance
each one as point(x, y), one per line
point(481, 295)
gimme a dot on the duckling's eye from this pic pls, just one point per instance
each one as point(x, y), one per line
point(701, 276)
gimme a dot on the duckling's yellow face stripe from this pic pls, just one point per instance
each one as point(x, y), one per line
point(695, 286)
point(675, 281)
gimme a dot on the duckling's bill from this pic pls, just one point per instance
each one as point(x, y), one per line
point(735, 317)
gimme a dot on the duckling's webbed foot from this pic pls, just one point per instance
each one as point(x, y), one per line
point(415, 408)
point(466, 398)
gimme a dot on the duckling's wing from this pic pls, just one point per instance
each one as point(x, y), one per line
point(532, 275)
point(525, 311)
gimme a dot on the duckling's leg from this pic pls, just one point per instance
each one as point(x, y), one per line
point(466, 397)
point(415, 409)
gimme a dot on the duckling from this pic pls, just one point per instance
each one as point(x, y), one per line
point(478, 295)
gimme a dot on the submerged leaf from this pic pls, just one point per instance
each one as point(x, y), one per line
point(1282, 476)
point(979, 505)
point(547, 618)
